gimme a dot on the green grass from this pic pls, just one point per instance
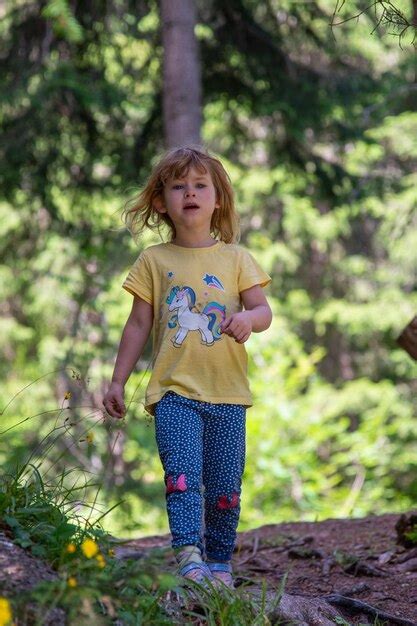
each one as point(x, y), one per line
point(40, 516)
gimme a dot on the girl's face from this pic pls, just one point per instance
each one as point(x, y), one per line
point(190, 200)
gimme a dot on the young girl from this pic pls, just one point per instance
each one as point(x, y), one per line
point(191, 291)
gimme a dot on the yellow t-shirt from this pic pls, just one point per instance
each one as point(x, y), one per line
point(192, 291)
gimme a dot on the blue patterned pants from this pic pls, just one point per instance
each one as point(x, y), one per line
point(202, 447)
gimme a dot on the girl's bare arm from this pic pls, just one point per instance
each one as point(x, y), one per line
point(257, 307)
point(134, 337)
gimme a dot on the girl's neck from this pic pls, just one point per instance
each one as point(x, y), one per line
point(194, 242)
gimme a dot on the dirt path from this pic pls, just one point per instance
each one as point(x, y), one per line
point(356, 558)
point(353, 557)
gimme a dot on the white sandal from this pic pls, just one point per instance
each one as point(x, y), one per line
point(222, 572)
point(198, 572)
point(192, 567)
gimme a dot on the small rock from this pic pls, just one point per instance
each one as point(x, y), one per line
point(408, 566)
point(355, 590)
point(385, 557)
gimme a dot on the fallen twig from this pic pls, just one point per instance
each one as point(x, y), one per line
point(410, 554)
point(357, 606)
point(359, 567)
point(408, 566)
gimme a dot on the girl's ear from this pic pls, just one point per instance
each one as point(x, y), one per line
point(158, 204)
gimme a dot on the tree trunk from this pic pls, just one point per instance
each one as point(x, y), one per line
point(181, 73)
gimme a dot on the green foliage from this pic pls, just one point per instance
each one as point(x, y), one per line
point(129, 589)
point(321, 451)
point(317, 134)
point(39, 515)
point(90, 582)
point(64, 23)
point(412, 534)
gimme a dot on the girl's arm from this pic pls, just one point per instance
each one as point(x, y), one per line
point(134, 337)
point(256, 304)
point(256, 317)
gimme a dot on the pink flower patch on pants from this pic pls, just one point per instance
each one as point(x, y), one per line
point(179, 485)
point(225, 503)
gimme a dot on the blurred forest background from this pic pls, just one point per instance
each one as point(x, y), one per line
point(317, 127)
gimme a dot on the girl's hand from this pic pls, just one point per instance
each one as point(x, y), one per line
point(238, 326)
point(113, 401)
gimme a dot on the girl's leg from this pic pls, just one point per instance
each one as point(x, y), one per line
point(179, 436)
point(223, 465)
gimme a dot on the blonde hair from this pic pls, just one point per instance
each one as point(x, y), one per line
point(139, 211)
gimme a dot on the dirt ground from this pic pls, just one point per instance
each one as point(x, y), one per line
point(358, 558)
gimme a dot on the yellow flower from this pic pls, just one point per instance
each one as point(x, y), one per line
point(89, 547)
point(67, 395)
point(112, 552)
point(72, 581)
point(90, 437)
point(5, 612)
point(71, 547)
point(101, 560)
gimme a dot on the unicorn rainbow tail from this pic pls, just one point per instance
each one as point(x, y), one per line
point(217, 313)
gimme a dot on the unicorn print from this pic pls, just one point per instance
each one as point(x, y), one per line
point(181, 300)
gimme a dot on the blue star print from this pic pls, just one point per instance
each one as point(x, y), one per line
point(213, 281)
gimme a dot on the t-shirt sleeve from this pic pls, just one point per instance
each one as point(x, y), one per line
point(251, 273)
point(139, 280)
